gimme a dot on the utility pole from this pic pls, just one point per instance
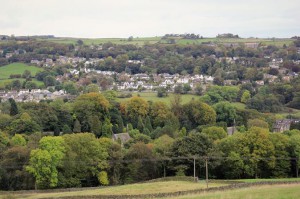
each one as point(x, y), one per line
point(206, 168)
point(194, 169)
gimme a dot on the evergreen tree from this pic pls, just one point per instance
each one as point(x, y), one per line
point(77, 127)
point(140, 124)
point(56, 131)
point(66, 129)
point(107, 128)
point(148, 124)
point(13, 107)
point(95, 125)
point(146, 131)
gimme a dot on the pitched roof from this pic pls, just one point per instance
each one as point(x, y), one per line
point(124, 137)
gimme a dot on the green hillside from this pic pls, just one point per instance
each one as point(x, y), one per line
point(17, 68)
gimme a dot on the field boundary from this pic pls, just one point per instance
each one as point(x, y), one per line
point(182, 193)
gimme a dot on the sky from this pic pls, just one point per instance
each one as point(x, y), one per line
point(147, 18)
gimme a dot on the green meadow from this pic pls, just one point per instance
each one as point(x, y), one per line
point(89, 41)
point(152, 96)
point(17, 68)
point(139, 41)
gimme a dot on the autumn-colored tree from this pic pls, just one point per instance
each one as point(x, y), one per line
point(159, 113)
point(135, 107)
point(199, 113)
point(90, 104)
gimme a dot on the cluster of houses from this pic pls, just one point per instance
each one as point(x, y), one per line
point(34, 95)
point(165, 80)
point(12, 53)
point(62, 60)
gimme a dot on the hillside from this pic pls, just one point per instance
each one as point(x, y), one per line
point(177, 40)
point(17, 68)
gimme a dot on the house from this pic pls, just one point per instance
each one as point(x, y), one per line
point(8, 55)
point(209, 78)
point(286, 78)
point(292, 74)
point(183, 80)
point(269, 77)
point(252, 45)
point(36, 62)
point(228, 82)
point(233, 45)
point(282, 125)
point(121, 137)
point(260, 82)
point(231, 130)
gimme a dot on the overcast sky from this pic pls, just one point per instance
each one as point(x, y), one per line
point(139, 18)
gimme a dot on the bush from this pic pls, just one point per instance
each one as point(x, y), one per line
point(102, 178)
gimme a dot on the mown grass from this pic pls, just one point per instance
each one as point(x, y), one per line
point(152, 96)
point(17, 68)
point(291, 191)
point(132, 189)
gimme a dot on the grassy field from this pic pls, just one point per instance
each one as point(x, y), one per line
point(270, 180)
point(291, 191)
point(152, 40)
point(277, 191)
point(133, 189)
point(135, 41)
point(276, 42)
point(152, 96)
point(17, 68)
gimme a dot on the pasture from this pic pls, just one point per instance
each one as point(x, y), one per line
point(95, 41)
point(139, 41)
point(152, 96)
point(263, 41)
point(17, 68)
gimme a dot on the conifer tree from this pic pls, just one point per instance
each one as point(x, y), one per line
point(13, 107)
point(77, 127)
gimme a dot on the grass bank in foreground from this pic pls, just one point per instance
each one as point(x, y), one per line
point(291, 191)
point(132, 189)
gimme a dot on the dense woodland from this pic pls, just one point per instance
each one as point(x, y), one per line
point(165, 138)
point(164, 141)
